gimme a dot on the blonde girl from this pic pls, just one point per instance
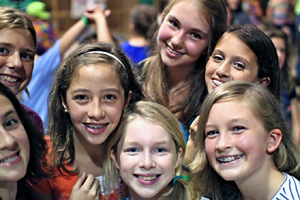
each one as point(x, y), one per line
point(245, 150)
point(146, 153)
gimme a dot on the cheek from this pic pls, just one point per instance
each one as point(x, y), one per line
point(24, 144)
point(28, 67)
point(196, 49)
point(210, 68)
point(76, 113)
point(115, 112)
point(210, 149)
point(162, 34)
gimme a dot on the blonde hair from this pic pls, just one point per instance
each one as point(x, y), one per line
point(159, 115)
point(264, 105)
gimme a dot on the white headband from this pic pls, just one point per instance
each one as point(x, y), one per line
point(108, 54)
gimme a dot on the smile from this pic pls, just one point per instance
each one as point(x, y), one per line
point(9, 159)
point(229, 159)
point(216, 82)
point(93, 126)
point(173, 52)
point(8, 79)
point(147, 178)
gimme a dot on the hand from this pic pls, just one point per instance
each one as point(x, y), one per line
point(87, 187)
point(97, 14)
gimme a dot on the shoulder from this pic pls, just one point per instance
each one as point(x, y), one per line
point(290, 188)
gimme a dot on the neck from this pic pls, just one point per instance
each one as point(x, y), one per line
point(263, 187)
point(178, 74)
point(8, 190)
point(88, 158)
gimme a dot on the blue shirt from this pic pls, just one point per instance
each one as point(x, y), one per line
point(41, 82)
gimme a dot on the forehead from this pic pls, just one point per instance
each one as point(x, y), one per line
point(5, 104)
point(240, 47)
point(18, 37)
point(145, 131)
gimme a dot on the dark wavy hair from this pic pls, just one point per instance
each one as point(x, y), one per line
point(265, 52)
point(37, 165)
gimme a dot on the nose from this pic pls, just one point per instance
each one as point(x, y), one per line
point(147, 162)
point(224, 142)
point(224, 70)
point(178, 40)
point(14, 60)
point(7, 140)
point(96, 111)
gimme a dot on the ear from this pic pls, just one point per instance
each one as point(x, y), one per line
point(113, 157)
point(265, 81)
point(274, 140)
point(179, 154)
point(128, 99)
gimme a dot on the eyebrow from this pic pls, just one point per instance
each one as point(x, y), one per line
point(12, 46)
point(193, 29)
point(9, 112)
point(156, 143)
point(104, 90)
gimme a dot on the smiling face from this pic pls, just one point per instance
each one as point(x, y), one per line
point(17, 52)
point(95, 101)
point(182, 40)
point(237, 145)
point(14, 144)
point(146, 159)
point(231, 60)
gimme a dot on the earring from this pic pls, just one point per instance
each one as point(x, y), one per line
point(66, 110)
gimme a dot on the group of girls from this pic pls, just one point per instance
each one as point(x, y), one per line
point(108, 139)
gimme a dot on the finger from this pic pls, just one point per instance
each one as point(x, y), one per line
point(89, 181)
point(107, 13)
point(80, 181)
point(95, 189)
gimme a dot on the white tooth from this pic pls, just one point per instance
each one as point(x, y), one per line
point(229, 159)
point(172, 51)
point(217, 83)
point(7, 160)
point(95, 126)
point(9, 79)
point(147, 178)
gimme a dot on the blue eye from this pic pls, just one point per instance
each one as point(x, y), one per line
point(131, 150)
point(238, 128)
point(3, 50)
point(211, 133)
point(160, 150)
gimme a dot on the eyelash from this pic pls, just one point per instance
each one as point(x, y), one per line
point(10, 123)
